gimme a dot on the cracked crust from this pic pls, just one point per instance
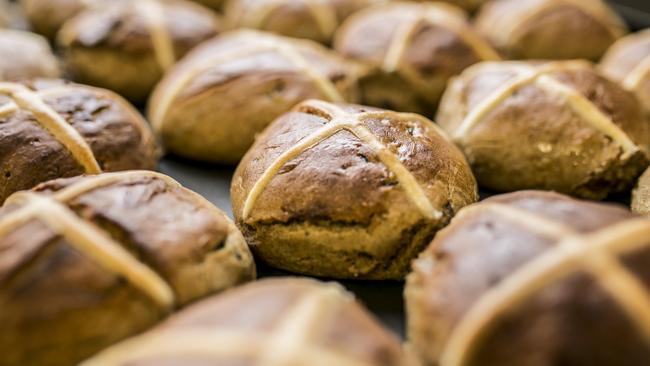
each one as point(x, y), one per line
point(573, 319)
point(336, 210)
point(113, 45)
point(59, 306)
point(118, 136)
point(555, 147)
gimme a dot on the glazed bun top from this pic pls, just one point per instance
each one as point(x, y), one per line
point(244, 52)
point(169, 28)
point(246, 79)
point(52, 129)
point(488, 87)
point(580, 129)
point(412, 49)
point(538, 271)
point(76, 210)
point(25, 55)
point(550, 29)
point(349, 163)
point(304, 322)
point(384, 34)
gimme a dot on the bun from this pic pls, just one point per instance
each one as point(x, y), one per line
point(88, 261)
point(531, 278)
point(51, 129)
point(126, 46)
point(555, 126)
point(348, 191)
point(412, 49)
point(213, 103)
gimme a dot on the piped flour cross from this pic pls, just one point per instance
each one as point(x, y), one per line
point(86, 237)
point(538, 76)
point(596, 253)
point(339, 120)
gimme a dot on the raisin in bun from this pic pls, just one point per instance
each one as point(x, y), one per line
point(213, 103)
point(348, 191)
point(89, 261)
point(52, 129)
point(533, 278)
point(550, 29)
point(412, 49)
point(546, 125)
point(126, 46)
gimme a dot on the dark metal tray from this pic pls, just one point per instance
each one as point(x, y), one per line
point(383, 298)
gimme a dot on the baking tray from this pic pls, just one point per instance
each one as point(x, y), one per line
point(383, 298)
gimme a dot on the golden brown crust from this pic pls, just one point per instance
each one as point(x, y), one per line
point(126, 46)
point(95, 130)
point(211, 105)
point(348, 191)
point(576, 132)
point(304, 322)
point(26, 55)
point(413, 50)
point(550, 29)
point(530, 278)
point(315, 20)
point(70, 276)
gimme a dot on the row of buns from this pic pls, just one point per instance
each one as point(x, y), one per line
point(398, 56)
point(92, 266)
point(325, 187)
